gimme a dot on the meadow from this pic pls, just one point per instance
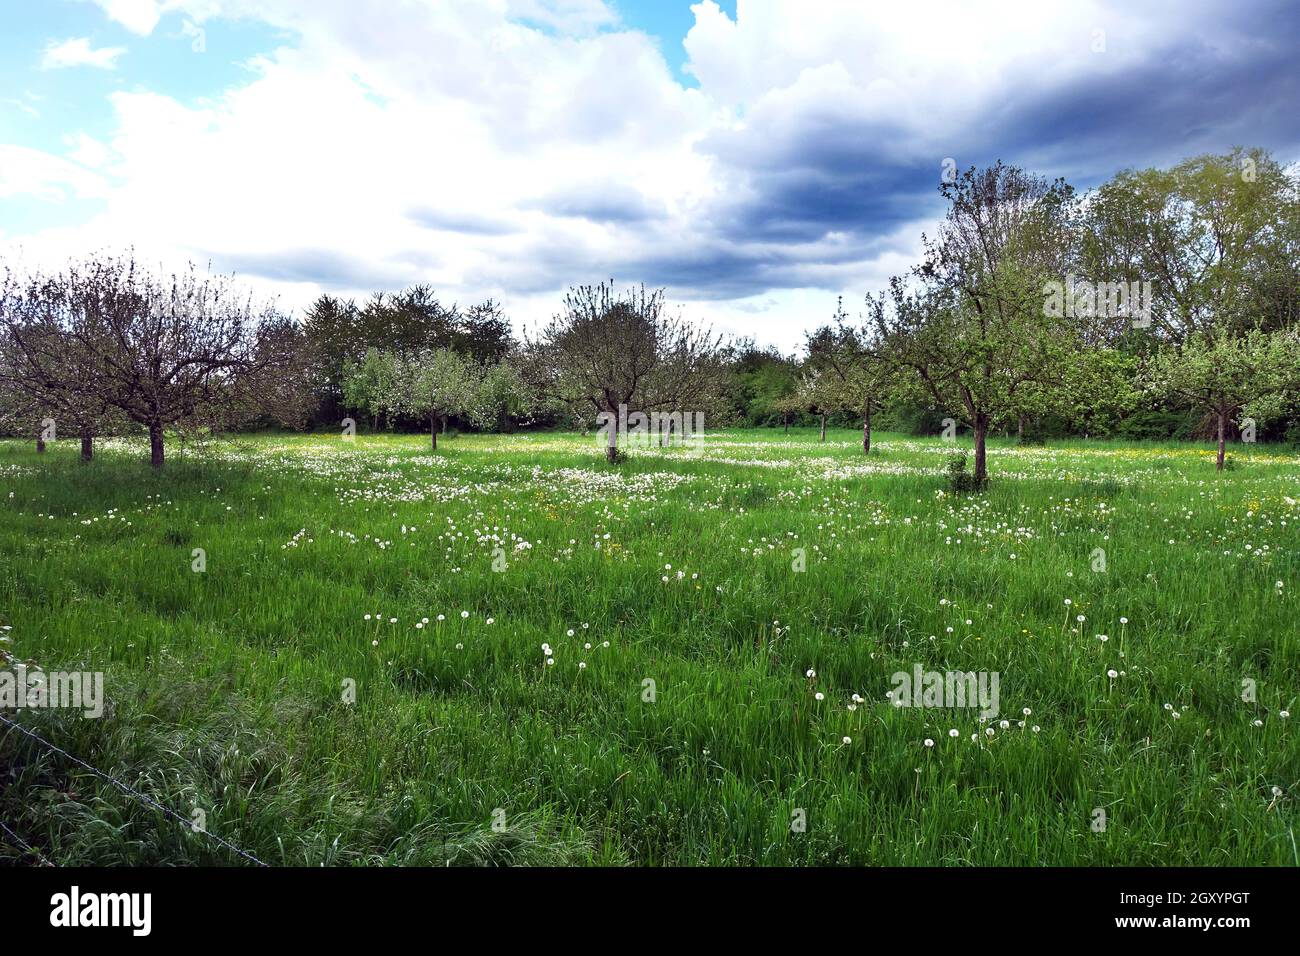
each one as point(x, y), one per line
point(510, 652)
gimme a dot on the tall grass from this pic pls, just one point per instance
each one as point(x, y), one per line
point(464, 746)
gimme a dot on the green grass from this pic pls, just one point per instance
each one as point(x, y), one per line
point(226, 687)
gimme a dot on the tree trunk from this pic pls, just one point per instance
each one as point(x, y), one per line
point(866, 428)
point(1020, 429)
point(433, 433)
point(444, 424)
point(156, 445)
point(40, 445)
point(981, 449)
point(87, 446)
point(823, 426)
point(611, 445)
point(1223, 437)
point(787, 423)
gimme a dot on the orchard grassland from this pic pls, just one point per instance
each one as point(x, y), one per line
point(226, 687)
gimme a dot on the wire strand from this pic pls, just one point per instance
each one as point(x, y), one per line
point(127, 789)
point(24, 845)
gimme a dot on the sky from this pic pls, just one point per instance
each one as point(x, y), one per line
point(758, 158)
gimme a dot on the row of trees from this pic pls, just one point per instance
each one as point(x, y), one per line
point(1030, 302)
point(1177, 287)
point(339, 334)
point(435, 385)
point(106, 345)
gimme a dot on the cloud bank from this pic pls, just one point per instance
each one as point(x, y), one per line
point(513, 147)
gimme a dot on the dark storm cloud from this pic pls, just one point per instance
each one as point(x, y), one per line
point(326, 267)
point(1234, 83)
point(608, 202)
point(1223, 77)
point(809, 176)
point(694, 268)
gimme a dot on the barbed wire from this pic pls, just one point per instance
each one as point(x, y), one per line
point(129, 790)
point(24, 845)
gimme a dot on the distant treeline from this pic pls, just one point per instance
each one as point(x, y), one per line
point(1164, 304)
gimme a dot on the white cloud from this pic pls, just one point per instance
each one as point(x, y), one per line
point(31, 172)
point(141, 16)
point(567, 16)
point(22, 105)
point(78, 52)
point(138, 16)
point(88, 151)
point(512, 147)
point(343, 139)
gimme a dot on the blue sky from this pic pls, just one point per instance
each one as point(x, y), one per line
point(757, 157)
point(667, 21)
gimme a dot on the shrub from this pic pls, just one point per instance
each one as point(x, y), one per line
point(961, 481)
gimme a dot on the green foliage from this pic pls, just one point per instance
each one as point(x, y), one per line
point(1216, 235)
point(762, 385)
point(341, 333)
point(911, 418)
point(433, 385)
point(960, 480)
